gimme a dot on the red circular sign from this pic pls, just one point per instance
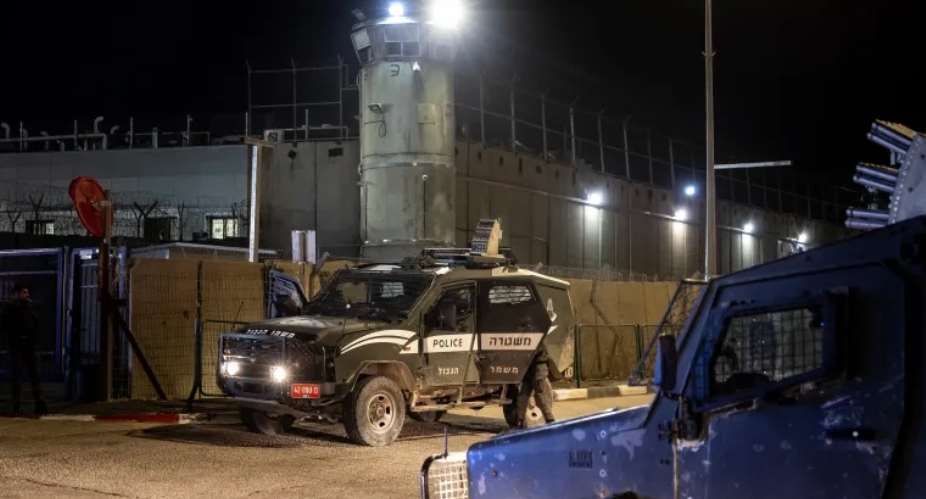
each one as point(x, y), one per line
point(87, 194)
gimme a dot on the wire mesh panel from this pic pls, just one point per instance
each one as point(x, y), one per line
point(607, 352)
point(447, 477)
point(768, 348)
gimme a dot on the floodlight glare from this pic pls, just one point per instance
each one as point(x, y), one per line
point(447, 13)
point(748, 227)
point(802, 237)
point(596, 198)
point(232, 368)
point(279, 374)
point(681, 214)
point(690, 190)
point(396, 9)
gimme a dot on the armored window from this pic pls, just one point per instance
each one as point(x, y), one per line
point(510, 294)
point(510, 307)
point(453, 312)
point(393, 48)
point(767, 348)
point(222, 227)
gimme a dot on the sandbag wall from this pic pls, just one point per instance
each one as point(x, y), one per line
point(169, 299)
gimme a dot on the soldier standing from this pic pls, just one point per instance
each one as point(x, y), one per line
point(20, 325)
point(537, 383)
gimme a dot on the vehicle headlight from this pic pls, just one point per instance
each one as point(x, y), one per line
point(232, 367)
point(279, 374)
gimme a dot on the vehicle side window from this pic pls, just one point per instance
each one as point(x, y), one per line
point(453, 311)
point(511, 307)
point(767, 348)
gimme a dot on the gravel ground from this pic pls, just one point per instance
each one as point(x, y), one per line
point(222, 459)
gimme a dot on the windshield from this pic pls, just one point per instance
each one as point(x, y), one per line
point(367, 295)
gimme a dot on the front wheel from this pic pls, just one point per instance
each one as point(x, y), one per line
point(261, 422)
point(375, 412)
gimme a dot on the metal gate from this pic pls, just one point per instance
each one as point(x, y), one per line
point(85, 325)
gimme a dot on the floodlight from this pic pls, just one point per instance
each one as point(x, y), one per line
point(748, 227)
point(447, 13)
point(681, 214)
point(690, 190)
point(802, 237)
point(396, 9)
point(595, 198)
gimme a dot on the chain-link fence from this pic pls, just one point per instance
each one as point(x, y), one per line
point(608, 353)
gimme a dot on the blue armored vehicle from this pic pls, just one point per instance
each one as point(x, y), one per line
point(803, 377)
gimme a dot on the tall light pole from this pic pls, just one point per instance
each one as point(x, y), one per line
point(710, 196)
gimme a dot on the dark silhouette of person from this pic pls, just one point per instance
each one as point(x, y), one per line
point(20, 323)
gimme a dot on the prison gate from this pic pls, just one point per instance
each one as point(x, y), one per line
point(177, 303)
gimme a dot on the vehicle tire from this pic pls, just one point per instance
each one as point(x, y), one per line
point(530, 418)
point(374, 413)
point(427, 417)
point(261, 422)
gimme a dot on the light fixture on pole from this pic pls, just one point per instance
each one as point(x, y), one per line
point(749, 227)
point(690, 190)
point(681, 214)
point(595, 198)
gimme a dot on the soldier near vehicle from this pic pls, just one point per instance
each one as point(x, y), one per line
point(19, 323)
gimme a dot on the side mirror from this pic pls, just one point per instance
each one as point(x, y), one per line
point(666, 363)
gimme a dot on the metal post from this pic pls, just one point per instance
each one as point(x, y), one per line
point(624, 124)
point(543, 122)
point(77, 134)
point(710, 201)
point(189, 130)
point(254, 211)
point(154, 137)
point(514, 137)
point(341, 78)
point(247, 114)
point(601, 140)
point(103, 290)
point(482, 111)
point(292, 63)
point(572, 132)
point(649, 153)
point(672, 162)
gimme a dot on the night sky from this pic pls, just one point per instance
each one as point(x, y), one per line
point(795, 79)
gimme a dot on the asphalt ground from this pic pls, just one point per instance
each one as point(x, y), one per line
point(222, 459)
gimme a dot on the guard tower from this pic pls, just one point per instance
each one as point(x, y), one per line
point(407, 128)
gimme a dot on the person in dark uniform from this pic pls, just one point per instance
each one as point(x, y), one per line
point(537, 382)
point(20, 324)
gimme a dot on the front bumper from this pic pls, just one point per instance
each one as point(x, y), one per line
point(257, 355)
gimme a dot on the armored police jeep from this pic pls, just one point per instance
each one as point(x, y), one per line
point(381, 341)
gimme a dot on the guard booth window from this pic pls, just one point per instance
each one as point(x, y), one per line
point(767, 348)
point(511, 307)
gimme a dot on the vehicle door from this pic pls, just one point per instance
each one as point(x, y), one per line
point(448, 342)
point(512, 322)
point(796, 389)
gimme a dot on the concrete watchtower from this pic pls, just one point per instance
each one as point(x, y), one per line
point(407, 129)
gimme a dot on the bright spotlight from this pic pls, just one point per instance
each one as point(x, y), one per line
point(396, 9)
point(690, 190)
point(681, 214)
point(279, 374)
point(802, 237)
point(447, 13)
point(596, 198)
point(748, 227)
point(232, 367)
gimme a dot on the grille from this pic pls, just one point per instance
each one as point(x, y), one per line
point(447, 477)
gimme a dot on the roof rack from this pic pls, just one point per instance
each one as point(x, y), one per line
point(465, 257)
